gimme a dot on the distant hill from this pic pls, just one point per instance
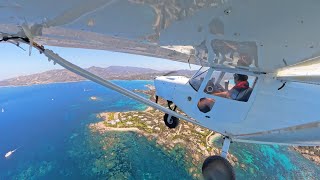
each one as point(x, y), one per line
point(112, 72)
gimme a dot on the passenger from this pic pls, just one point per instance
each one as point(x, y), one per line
point(241, 84)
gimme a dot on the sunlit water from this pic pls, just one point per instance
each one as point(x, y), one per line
point(49, 123)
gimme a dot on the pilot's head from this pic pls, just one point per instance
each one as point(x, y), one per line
point(239, 77)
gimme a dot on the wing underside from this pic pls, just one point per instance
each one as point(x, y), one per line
point(200, 32)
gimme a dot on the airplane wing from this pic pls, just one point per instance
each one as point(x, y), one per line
point(62, 37)
point(272, 34)
point(306, 72)
point(205, 32)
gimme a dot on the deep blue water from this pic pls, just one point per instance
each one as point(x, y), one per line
point(49, 124)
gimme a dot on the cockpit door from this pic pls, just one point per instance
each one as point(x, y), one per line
point(217, 98)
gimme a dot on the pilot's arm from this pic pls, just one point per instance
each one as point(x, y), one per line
point(224, 94)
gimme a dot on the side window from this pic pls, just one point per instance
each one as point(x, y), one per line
point(205, 104)
point(229, 85)
point(198, 78)
point(216, 83)
point(234, 53)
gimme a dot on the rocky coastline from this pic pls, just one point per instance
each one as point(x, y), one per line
point(311, 153)
point(149, 123)
point(197, 141)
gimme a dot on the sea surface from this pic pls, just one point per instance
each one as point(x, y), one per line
point(49, 126)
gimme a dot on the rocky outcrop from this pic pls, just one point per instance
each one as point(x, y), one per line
point(311, 153)
point(149, 124)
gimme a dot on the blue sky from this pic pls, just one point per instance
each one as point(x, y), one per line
point(16, 62)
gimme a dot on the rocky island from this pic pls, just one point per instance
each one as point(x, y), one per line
point(149, 123)
point(197, 141)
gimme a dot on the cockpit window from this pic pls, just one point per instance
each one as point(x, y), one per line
point(230, 85)
point(198, 78)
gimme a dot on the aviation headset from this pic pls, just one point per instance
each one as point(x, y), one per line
point(240, 77)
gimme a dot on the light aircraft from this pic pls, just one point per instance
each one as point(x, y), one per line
point(8, 154)
point(269, 41)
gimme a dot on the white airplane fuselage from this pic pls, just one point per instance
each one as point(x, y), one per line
point(285, 116)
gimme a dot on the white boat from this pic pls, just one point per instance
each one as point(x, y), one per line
point(8, 154)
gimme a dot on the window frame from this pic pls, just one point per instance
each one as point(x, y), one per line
point(197, 75)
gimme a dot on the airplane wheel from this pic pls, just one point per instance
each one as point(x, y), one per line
point(173, 122)
point(217, 167)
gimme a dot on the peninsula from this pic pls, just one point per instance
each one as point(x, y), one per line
point(149, 123)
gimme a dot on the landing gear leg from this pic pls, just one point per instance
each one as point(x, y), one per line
point(218, 167)
point(171, 121)
point(225, 147)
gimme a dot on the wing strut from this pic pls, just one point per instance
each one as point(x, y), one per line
point(86, 74)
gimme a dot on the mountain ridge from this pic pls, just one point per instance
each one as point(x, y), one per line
point(109, 73)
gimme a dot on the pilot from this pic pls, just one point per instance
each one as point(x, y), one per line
point(239, 91)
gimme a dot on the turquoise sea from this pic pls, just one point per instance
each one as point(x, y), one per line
point(49, 126)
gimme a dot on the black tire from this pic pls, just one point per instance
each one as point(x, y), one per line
point(217, 168)
point(174, 122)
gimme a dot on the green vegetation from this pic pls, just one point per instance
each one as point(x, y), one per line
point(187, 139)
point(111, 116)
